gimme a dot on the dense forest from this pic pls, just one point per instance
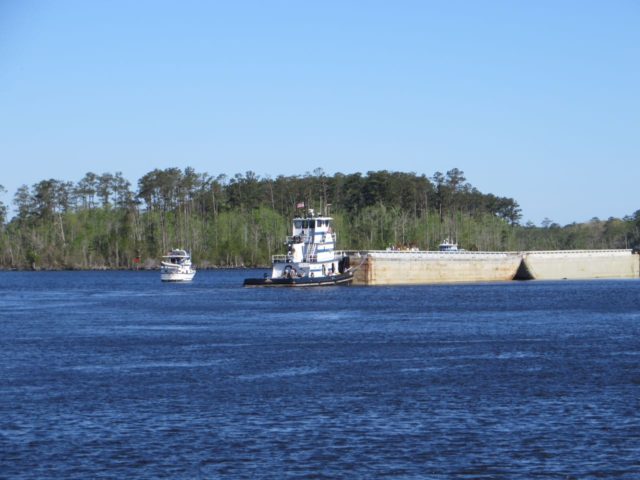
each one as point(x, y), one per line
point(101, 222)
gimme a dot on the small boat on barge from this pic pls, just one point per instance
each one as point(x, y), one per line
point(448, 246)
point(176, 267)
point(310, 259)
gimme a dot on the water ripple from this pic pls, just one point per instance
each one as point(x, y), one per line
point(120, 376)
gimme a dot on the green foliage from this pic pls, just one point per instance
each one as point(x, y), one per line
point(99, 222)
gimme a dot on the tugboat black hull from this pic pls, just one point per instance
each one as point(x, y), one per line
point(341, 279)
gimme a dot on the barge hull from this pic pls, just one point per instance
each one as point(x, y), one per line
point(415, 268)
point(581, 264)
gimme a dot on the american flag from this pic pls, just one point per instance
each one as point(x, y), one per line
point(300, 205)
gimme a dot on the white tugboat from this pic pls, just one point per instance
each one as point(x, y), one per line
point(310, 259)
point(176, 267)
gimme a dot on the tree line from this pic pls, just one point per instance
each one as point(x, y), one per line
point(101, 221)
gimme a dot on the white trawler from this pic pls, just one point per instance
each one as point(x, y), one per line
point(310, 259)
point(176, 267)
point(448, 246)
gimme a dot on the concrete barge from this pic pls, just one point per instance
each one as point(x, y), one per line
point(579, 264)
point(427, 267)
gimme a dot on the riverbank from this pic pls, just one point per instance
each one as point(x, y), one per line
point(122, 269)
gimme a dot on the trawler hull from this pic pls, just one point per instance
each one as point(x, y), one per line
point(177, 277)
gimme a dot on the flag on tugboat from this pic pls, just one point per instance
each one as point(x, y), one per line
point(300, 205)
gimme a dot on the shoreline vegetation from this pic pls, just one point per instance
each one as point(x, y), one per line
point(121, 269)
point(101, 223)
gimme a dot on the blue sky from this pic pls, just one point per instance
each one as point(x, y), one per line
point(539, 101)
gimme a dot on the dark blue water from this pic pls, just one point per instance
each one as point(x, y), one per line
point(117, 375)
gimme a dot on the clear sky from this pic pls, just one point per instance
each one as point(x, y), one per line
point(537, 100)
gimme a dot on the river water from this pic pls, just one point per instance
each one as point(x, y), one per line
point(117, 375)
